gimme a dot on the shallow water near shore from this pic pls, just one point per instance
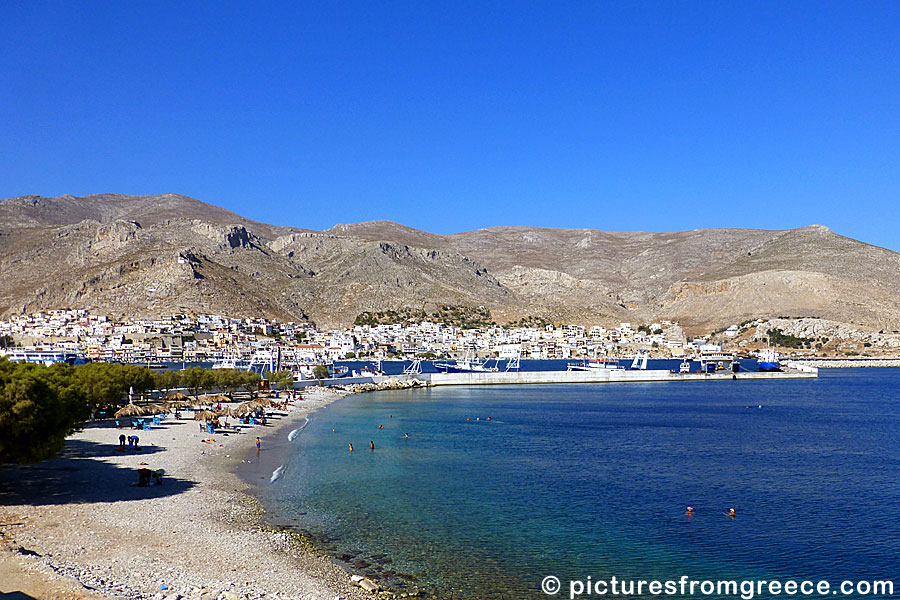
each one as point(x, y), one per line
point(497, 487)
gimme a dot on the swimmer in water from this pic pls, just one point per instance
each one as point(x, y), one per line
point(407, 436)
point(381, 427)
point(731, 513)
point(371, 445)
point(351, 447)
point(689, 510)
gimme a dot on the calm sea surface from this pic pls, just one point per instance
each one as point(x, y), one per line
point(498, 486)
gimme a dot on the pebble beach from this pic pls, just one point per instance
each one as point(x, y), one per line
point(76, 526)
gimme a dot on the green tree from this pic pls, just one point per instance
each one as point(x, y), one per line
point(137, 377)
point(167, 380)
point(197, 379)
point(6, 341)
point(102, 383)
point(228, 379)
point(38, 409)
point(283, 379)
point(250, 382)
point(320, 372)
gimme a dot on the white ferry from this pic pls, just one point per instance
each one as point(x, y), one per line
point(44, 357)
point(596, 364)
point(713, 358)
point(469, 364)
point(231, 362)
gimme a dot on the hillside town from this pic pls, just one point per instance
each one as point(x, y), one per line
point(215, 338)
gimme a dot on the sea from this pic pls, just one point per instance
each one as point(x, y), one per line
point(486, 491)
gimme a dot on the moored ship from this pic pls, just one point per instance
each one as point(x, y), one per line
point(768, 360)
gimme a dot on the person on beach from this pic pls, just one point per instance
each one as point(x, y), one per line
point(122, 442)
point(144, 477)
point(258, 444)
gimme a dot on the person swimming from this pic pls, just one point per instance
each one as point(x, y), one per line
point(351, 447)
point(731, 513)
point(689, 510)
point(371, 445)
point(407, 436)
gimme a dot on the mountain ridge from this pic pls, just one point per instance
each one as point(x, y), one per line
point(170, 253)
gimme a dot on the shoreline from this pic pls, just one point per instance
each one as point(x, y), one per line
point(87, 532)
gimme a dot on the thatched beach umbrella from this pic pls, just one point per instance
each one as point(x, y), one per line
point(155, 409)
point(205, 415)
point(236, 411)
point(214, 398)
point(176, 396)
point(131, 410)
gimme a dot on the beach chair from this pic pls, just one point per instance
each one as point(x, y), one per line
point(157, 421)
point(147, 426)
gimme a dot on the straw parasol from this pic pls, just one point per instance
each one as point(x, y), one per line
point(155, 409)
point(246, 407)
point(177, 396)
point(180, 404)
point(214, 398)
point(205, 415)
point(131, 410)
point(236, 411)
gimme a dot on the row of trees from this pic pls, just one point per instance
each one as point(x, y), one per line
point(41, 405)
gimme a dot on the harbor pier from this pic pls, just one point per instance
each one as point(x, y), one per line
point(604, 376)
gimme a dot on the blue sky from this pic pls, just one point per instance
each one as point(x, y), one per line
point(451, 116)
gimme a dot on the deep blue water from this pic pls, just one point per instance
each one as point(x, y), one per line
point(593, 479)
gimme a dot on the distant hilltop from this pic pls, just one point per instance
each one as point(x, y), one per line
point(150, 255)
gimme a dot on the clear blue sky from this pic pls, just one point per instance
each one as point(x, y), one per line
point(451, 116)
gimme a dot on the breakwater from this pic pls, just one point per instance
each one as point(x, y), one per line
point(846, 363)
point(406, 381)
point(602, 376)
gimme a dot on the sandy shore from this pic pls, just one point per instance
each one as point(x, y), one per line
point(76, 527)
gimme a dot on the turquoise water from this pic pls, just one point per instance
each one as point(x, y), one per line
point(592, 480)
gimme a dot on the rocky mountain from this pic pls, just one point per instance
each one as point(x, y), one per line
point(148, 255)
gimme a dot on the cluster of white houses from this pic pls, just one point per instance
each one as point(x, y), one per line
point(183, 338)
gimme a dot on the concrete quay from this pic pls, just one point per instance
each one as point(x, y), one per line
point(603, 376)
